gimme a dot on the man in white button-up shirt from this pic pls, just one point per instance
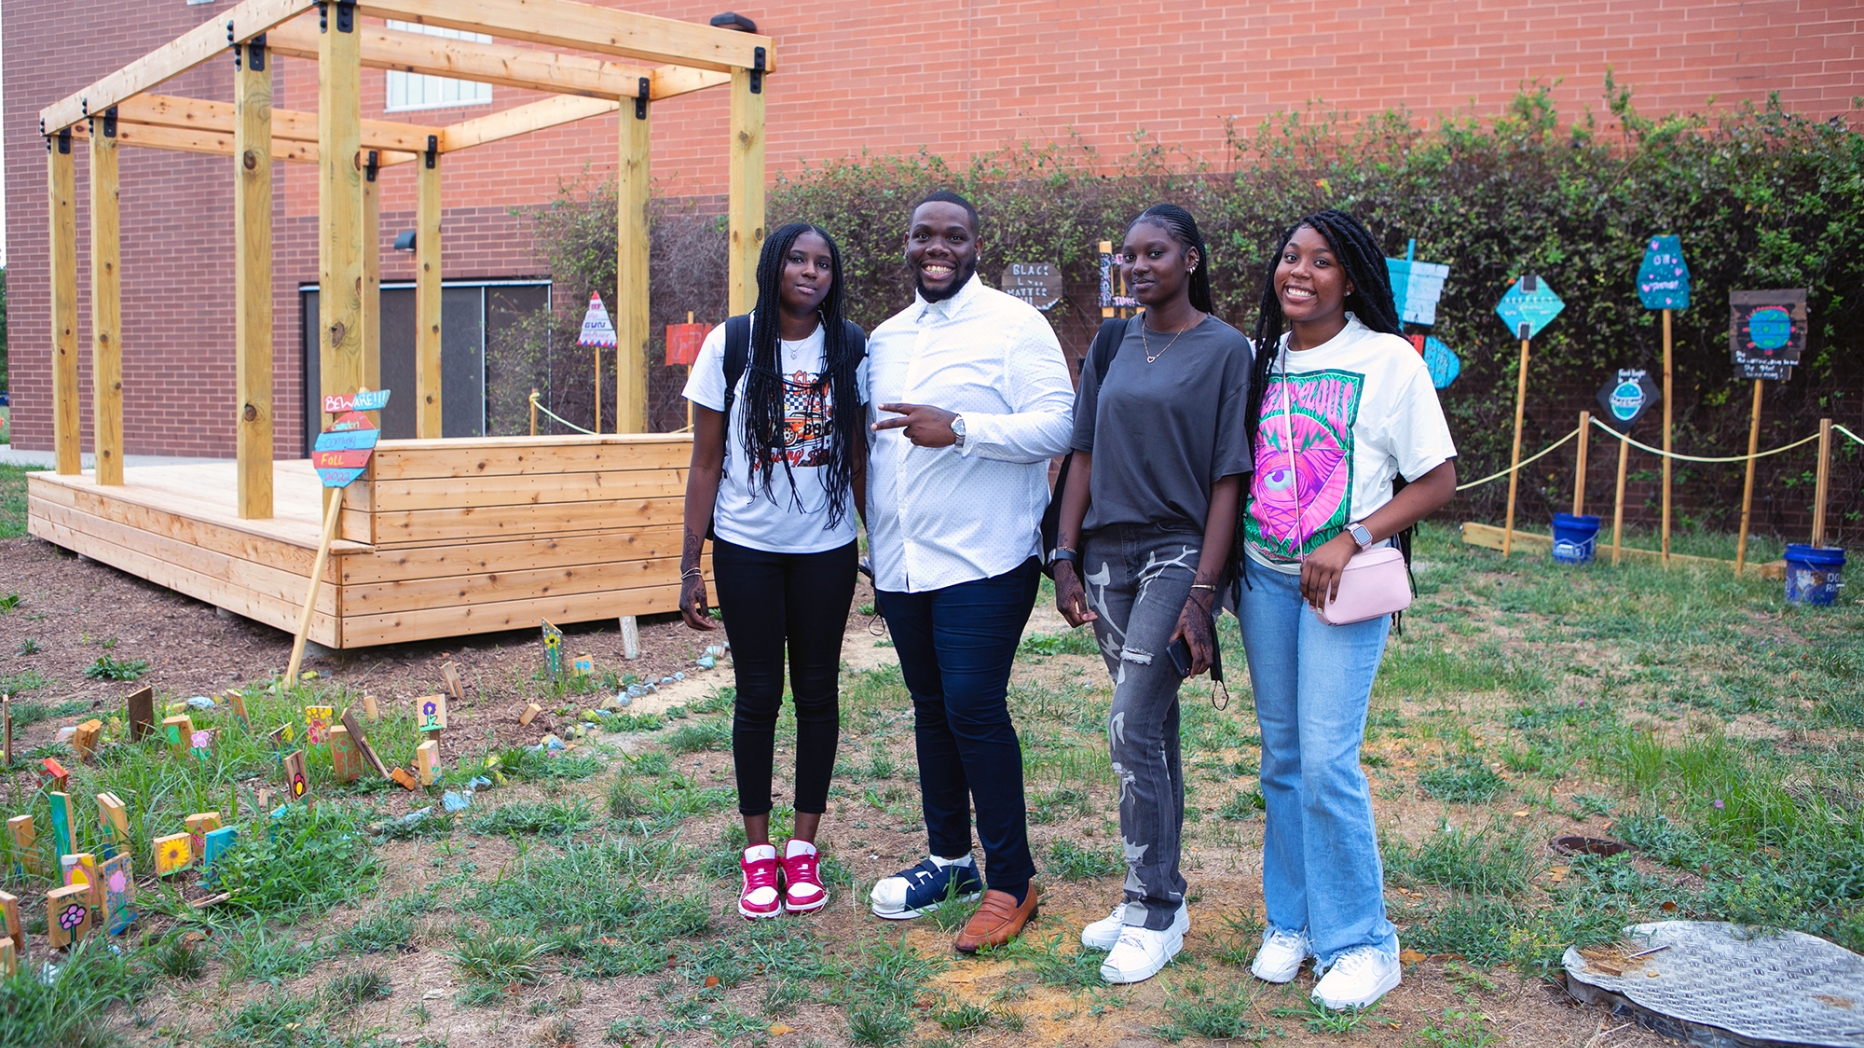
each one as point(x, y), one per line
point(972, 399)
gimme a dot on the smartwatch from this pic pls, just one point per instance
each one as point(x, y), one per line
point(1361, 534)
point(957, 428)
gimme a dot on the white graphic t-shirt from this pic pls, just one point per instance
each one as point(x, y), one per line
point(771, 520)
point(1339, 421)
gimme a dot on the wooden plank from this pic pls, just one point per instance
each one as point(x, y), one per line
point(631, 318)
point(360, 738)
point(445, 525)
point(204, 492)
point(524, 489)
point(25, 844)
point(746, 206)
point(461, 620)
point(416, 594)
point(222, 118)
point(672, 80)
point(252, 286)
point(479, 558)
point(206, 41)
point(583, 27)
point(427, 270)
point(207, 143)
point(485, 63)
point(1488, 536)
point(69, 915)
point(524, 119)
point(106, 313)
point(140, 712)
point(405, 459)
point(63, 229)
point(339, 204)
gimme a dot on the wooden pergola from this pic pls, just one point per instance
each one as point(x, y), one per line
point(630, 62)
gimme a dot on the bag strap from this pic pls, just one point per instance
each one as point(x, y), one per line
point(1106, 346)
point(737, 358)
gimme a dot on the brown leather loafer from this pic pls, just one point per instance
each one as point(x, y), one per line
point(998, 920)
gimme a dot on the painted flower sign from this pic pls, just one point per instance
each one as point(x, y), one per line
point(71, 918)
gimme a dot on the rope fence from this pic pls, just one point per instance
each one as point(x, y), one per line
point(537, 406)
point(1840, 429)
point(1659, 452)
point(1542, 453)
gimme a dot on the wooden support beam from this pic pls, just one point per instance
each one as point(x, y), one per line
point(252, 280)
point(521, 120)
point(205, 41)
point(631, 196)
point(339, 210)
point(585, 27)
point(220, 118)
point(372, 275)
point(106, 309)
point(63, 200)
point(207, 143)
point(746, 220)
point(427, 418)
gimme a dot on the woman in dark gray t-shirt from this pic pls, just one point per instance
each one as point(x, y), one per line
point(1159, 452)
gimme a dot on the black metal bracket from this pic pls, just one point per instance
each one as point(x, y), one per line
point(757, 72)
point(110, 118)
point(64, 141)
point(255, 53)
point(640, 99)
point(346, 16)
point(323, 16)
point(374, 165)
point(433, 150)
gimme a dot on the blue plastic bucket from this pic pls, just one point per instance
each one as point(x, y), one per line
point(1814, 573)
point(1574, 538)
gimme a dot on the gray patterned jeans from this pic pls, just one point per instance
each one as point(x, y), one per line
point(1137, 580)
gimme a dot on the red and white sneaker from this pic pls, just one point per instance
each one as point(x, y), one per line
point(758, 897)
point(802, 884)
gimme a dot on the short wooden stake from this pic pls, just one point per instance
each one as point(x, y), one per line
point(68, 915)
point(331, 516)
point(81, 868)
point(630, 638)
point(173, 853)
point(84, 740)
point(199, 826)
point(402, 778)
point(117, 881)
point(316, 725)
point(25, 843)
point(6, 725)
point(1618, 501)
point(530, 713)
point(1579, 466)
point(113, 815)
point(370, 710)
point(141, 713)
point(1822, 484)
point(1667, 407)
point(1514, 471)
point(427, 761)
point(1747, 490)
point(451, 674)
point(297, 783)
point(179, 731)
point(430, 713)
point(345, 761)
point(361, 739)
point(9, 959)
point(62, 841)
point(11, 930)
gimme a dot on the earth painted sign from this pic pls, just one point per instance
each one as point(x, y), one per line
point(597, 329)
point(342, 451)
point(1037, 283)
point(1529, 306)
point(1627, 397)
point(1663, 278)
point(1767, 331)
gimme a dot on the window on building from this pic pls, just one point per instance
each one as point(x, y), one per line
point(420, 91)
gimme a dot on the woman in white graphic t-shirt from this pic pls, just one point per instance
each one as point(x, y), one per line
point(779, 450)
point(1340, 407)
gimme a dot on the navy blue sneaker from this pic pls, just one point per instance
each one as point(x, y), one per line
point(925, 888)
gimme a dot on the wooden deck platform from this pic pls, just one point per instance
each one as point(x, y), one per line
point(441, 538)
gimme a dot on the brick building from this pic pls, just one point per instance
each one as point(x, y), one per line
point(889, 77)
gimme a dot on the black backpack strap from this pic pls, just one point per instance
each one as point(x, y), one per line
point(856, 338)
point(737, 358)
point(1106, 346)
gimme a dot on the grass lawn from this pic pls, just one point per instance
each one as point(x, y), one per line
point(588, 898)
point(13, 500)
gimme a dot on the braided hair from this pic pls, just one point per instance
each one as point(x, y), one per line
point(1362, 260)
point(1182, 228)
point(765, 427)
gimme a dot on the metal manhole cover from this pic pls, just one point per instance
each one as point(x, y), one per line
point(1761, 986)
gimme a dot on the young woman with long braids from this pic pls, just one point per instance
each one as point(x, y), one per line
point(1159, 453)
point(1340, 406)
point(778, 483)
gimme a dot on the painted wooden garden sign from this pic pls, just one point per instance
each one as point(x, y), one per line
point(342, 451)
point(1627, 397)
point(1767, 331)
point(1529, 306)
point(1663, 278)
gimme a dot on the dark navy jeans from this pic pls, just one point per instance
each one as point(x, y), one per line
point(956, 647)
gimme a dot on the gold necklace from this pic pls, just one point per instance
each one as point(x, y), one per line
point(1147, 343)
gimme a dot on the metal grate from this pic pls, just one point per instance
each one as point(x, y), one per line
point(1765, 985)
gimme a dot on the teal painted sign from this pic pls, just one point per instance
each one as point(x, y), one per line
point(1529, 306)
point(1416, 286)
point(1767, 331)
point(1663, 278)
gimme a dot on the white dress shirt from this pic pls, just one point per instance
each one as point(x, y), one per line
point(937, 517)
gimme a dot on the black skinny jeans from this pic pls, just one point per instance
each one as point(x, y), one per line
point(770, 600)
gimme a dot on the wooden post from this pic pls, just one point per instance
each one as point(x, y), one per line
point(1579, 466)
point(1747, 489)
point(331, 516)
point(339, 209)
point(533, 411)
point(371, 238)
point(1666, 437)
point(1822, 484)
point(427, 420)
point(747, 188)
point(596, 426)
point(252, 278)
point(631, 333)
point(1514, 473)
point(106, 304)
point(1618, 503)
point(63, 187)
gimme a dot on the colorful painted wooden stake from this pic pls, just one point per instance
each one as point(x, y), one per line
point(25, 845)
point(530, 713)
point(430, 713)
point(84, 740)
point(53, 775)
point(282, 736)
point(119, 886)
point(141, 713)
point(114, 816)
point(199, 826)
point(81, 868)
point(297, 784)
point(345, 762)
point(67, 915)
point(237, 700)
point(553, 652)
point(179, 731)
point(451, 674)
point(173, 853)
point(402, 778)
point(9, 959)
point(361, 739)
point(201, 744)
point(583, 665)
point(10, 928)
point(316, 725)
point(62, 843)
point(218, 843)
point(427, 761)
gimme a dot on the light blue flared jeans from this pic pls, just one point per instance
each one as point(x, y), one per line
point(1320, 857)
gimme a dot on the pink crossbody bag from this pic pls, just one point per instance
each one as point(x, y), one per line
point(1375, 581)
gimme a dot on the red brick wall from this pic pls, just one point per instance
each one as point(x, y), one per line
point(888, 77)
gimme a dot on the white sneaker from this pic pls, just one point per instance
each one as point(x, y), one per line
point(1281, 956)
point(1357, 978)
point(1104, 933)
point(1141, 952)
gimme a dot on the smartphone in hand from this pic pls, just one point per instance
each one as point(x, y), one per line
point(1180, 655)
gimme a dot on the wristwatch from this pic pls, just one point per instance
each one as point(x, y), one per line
point(1361, 534)
point(957, 428)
